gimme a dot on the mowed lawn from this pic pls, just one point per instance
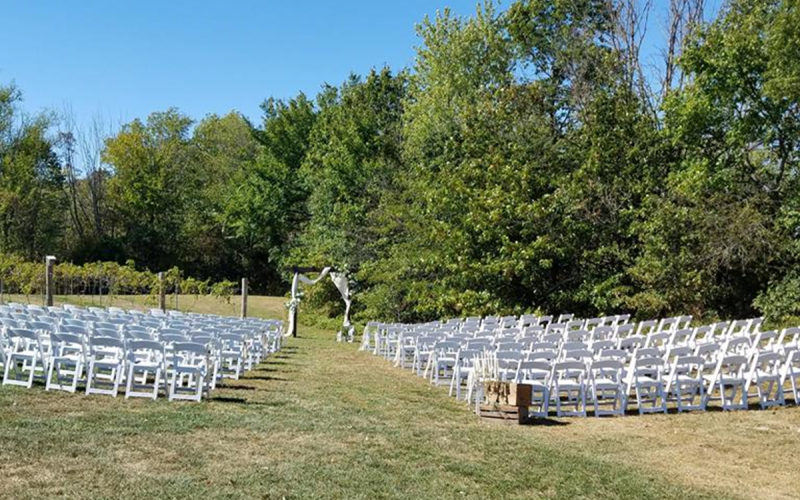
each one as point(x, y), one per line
point(322, 420)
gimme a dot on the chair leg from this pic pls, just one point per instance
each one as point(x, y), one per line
point(49, 382)
point(171, 394)
point(199, 391)
point(7, 369)
point(156, 383)
point(75, 376)
point(558, 402)
point(117, 375)
point(32, 374)
point(129, 382)
point(165, 381)
point(89, 376)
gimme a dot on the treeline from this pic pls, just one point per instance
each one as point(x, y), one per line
point(528, 160)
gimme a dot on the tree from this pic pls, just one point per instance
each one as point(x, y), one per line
point(155, 176)
point(725, 226)
point(31, 199)
point(352, 161)
point(266, 208)
point(225, 149)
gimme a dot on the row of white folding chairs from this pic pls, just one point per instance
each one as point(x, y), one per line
point(529, 321)
point(126, 323)
point(104, 363)
point(497, 323)
point(599, 338)
point(711, 353)
point(596, 326)
point(234, 351)
point(119, 316)
point(423, 350)
point(689, 382)
point(224, 351)
point(27, 355)
point(379, 336)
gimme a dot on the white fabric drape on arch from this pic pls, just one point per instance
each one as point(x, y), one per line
point(339, 280)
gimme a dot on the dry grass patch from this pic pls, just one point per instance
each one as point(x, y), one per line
point(754, 453)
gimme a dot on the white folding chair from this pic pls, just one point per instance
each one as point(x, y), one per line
point(407, 345)
point(442, 360)
point(608, 388)
point(791, 374)
point(789, 339)
point(143, 358)
point(537, 374)
point(766, 340)
point(646, 327)
point(766, 373)
point(465, 363)
point(106, 366)
point(231, 355)
point(68, 362)
point(569, 388)
point(189, 372)
point(658, 339)
point(645, 380)
point(710, 353)
point(681, 337)
point(729, 378)
point(624, 331)
point(686, 382)
point(737, 345)
point(602, 333)
point(25, 358)
point(508, 364)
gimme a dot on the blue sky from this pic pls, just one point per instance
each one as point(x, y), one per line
point(123, 60)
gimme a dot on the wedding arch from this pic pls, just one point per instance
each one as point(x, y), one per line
point(340, 281)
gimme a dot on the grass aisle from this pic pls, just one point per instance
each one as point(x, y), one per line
point(319, 420)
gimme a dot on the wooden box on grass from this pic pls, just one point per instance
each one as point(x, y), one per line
point(507, 393)
point(505, 413)
point(505, 401)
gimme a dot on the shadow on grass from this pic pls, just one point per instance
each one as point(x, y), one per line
point(239, 387)
point(544, 422)
point(269, 370)
point(266, 377)
point(245, 402)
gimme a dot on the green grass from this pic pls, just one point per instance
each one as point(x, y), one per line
point(322, 420)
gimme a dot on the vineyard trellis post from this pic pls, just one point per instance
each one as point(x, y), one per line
point(244, 297)
point(162, 293)
point(50, 261)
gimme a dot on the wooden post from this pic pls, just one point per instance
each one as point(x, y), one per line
point(162, 293)
point(48, 280)
point(244, 297)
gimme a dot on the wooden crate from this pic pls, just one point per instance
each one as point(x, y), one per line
point(503, 413)
point(507, 393)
